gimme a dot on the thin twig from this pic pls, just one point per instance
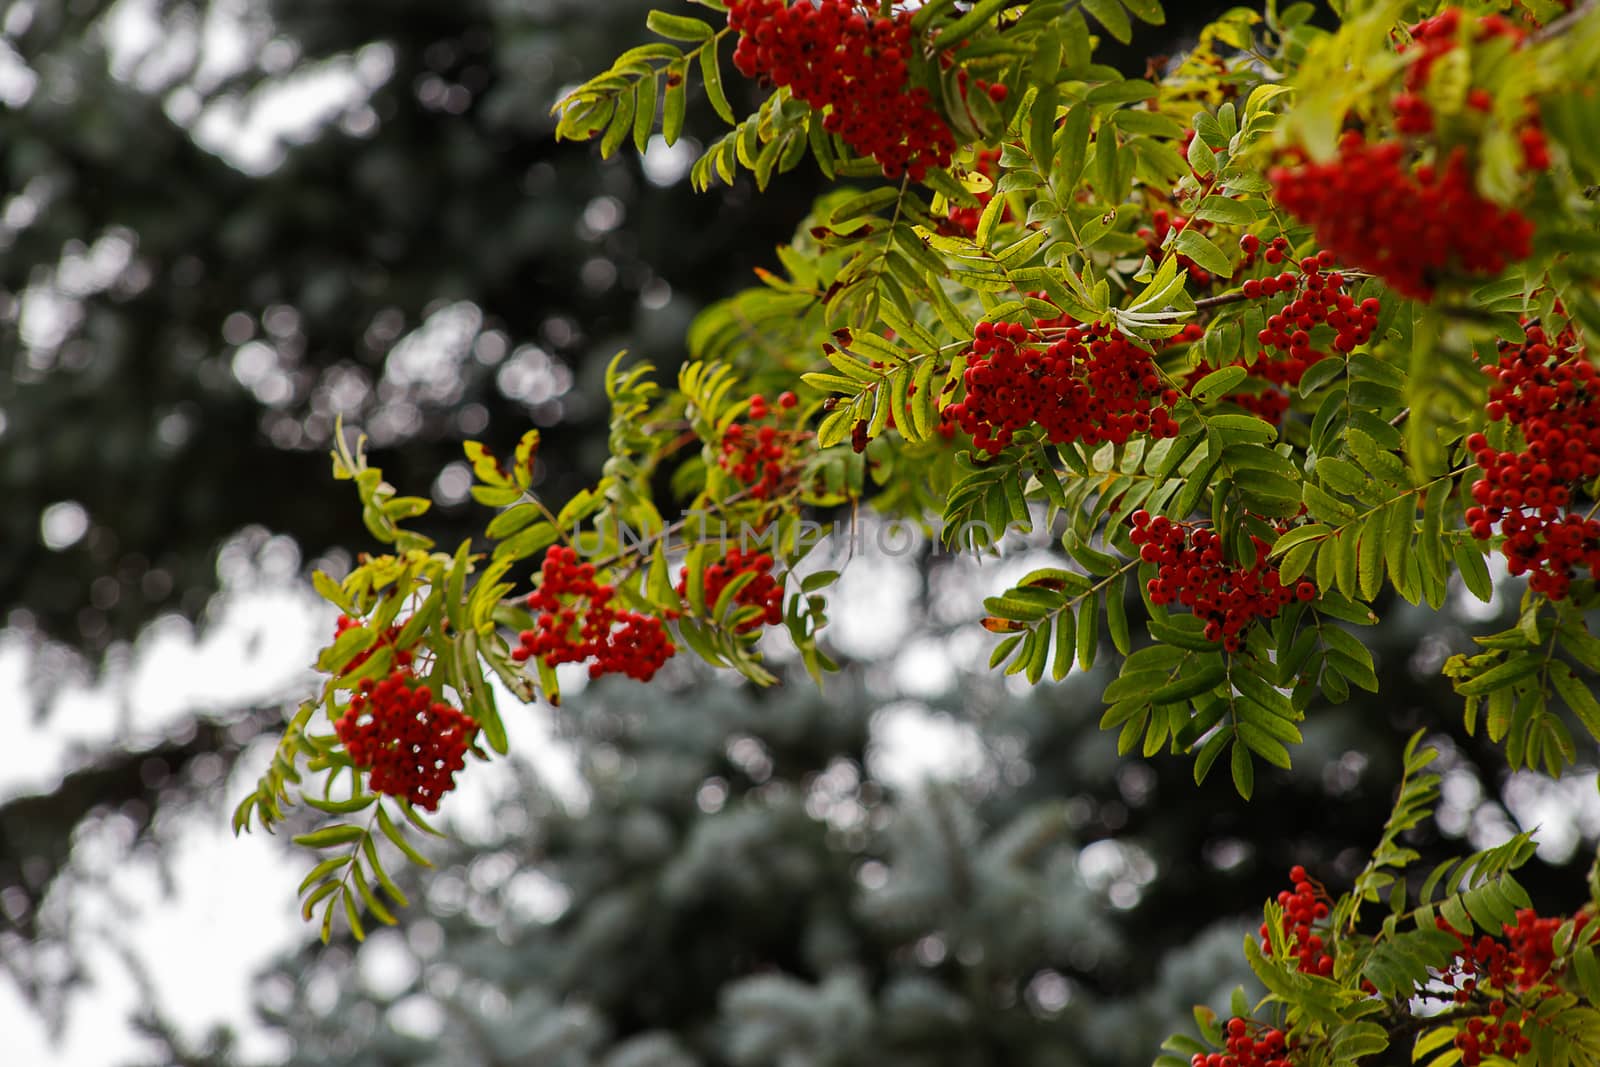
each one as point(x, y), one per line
point(1564, 23)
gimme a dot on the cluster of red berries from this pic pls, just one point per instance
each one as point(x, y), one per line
point(1320, 300)
point(1521, 963)
point(1436, 37)
point(402, 656)
point(1303, 908)
point(1192, 572)
point(1549, 390)
point(1317, 298)
point(763, 591)
point(579, 621)
point(757, 451)
point(1267, 1047)
point(1092, 385)
point(1493, 1035)
point(851, 66)
point(1162, 223)
point(1411, 227)
point(1533, 944)
point(1278, 250)
point(410, 743)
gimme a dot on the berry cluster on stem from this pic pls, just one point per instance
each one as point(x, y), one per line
point(1406, 208)
point(1290, 341)
point(757, 451)
point(851, 67)
point(1305, 908)
point(1546, 388)
point(1486, 968)
point(1091, 385)
point(1413, 227)
point(1193, 572)
point(578, 621)
point(410, 744)
point(1248, 1044)
point(763, 591)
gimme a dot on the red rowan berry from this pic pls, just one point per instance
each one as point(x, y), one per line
point(1191, 572)
point(577, 622)
point(1549, 391)
point(1409, 227)
point(410, 744)
point(761, 456)
point(852, 70)
point(763, 591)
point(1286, 354)
point(1093, 385)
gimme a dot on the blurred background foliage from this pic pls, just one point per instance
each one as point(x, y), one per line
point(225, 225)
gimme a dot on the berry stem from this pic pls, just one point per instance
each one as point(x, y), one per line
point(1559, 26)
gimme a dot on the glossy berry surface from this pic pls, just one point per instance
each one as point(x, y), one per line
point(1317, 320)
point(1192, 572)
point(758, 451)
point(1091, 385)
point(1412, 227)
point(410, 743)
point(577, 621)
point(762, 591)
point(1546, 389)
point(853, 68)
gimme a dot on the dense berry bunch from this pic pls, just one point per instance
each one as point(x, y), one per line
point(1494, 1034)
point(1485, 967)
point(1265, 1047)
point(763, 591)
point(852, 67)
point(1303, 909)
point(1550, 392)
point(578, 621)
point(410, 743)
point(757, 451)
point(1192, 572)
point(1436, 37)
point(1410, 226)
point(1092, 385)
point(1532, 943)
point(1317, 298)
point(1433, 38)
